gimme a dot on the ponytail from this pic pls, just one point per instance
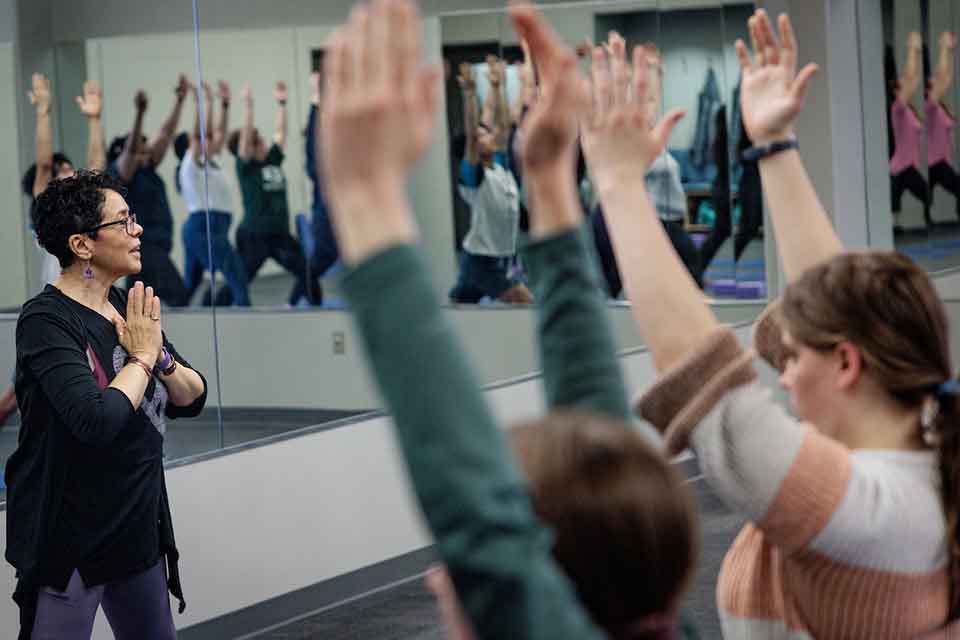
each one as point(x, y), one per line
point(948, 448)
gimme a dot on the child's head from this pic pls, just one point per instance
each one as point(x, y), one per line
point(625, 527)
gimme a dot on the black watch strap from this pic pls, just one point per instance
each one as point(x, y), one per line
point(756, 153)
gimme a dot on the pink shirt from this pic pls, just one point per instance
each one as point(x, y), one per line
point(940, 132)
point(907, 130)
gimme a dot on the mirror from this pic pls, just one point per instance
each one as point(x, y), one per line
point(940, 119)
point(904, 66)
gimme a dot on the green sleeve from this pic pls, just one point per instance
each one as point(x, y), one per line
point(498, 554)
point(577, 350)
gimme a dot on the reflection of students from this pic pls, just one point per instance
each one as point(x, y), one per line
point(265, 230)
point(907, 133)
point(134, 161)
point(204, 184)
point(940, 124)
point(325, 251)
point(489, 187)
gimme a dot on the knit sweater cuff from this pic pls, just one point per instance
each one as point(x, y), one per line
point(683, 396)
point(768, 337)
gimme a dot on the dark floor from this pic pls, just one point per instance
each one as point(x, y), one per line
point(408, 611)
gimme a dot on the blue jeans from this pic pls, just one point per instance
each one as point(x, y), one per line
point(225, 259)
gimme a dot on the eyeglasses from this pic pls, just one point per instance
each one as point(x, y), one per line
point(130, 223)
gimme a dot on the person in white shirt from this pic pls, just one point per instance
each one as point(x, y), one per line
point(210, 194)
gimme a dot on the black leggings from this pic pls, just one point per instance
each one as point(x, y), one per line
point(910, 180)
point(943, 174)
point(254, 249)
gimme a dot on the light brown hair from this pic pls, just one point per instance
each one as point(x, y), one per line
point(625, 526)
point(887, 306)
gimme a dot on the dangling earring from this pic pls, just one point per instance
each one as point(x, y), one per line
point(929, 412)
point(88, 271)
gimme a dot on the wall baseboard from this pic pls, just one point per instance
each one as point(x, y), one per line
point(288, 607)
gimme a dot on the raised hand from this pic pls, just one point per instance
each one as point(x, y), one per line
point(207, 93)
point(495, 71)
point(377, 118)
point(140, 101)
point(914, 40)
point(549, 131)
point(316, 87)
point(91, 102)
point(280, 92)
point(39, 93)
point(182, 87)
point(621, 137)
point(223, 91)
point(466, 79)
point(247, 94)
point(948, 40)
point(771, 90)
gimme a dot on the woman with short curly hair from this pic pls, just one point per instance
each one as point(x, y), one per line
point(88, 520)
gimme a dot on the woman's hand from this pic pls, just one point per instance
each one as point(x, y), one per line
point(140, 334)
point(549, 131)
point(621, 137)
point(39, 93)
point(771, 90)
point(378, 118)
point(91, 102)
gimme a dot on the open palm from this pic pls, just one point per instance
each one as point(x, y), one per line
point(621, 138)
point(771, 90)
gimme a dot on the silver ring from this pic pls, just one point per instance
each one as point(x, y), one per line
point(156, 318)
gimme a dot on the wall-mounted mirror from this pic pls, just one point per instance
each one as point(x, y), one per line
point(941, 28)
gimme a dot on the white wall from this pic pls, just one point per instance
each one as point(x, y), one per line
point(13, 284)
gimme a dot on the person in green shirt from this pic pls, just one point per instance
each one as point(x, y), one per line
point(265, 229)
point(600, 539)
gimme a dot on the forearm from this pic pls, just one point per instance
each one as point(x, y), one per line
point(96, 152)
point(132, 381)
point(184, 386)
point(804, 233)
point(577, 349)
point(943, 76)
point(666, 303)
point(220, 133)
point(910, 79)
point(208, 105)
point(280, 135)
point(501, 117)
point(158, 148)
point(470, 123)
point(43, 149)
point(245, 150)
point(125, 163)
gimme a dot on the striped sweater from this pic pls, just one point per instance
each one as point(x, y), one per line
point(841, 543)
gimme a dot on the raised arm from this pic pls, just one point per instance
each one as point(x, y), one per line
point(501, 108)
point(620, 142)
point(909, 80)
point(280, 134)
point(219, 136)
point(528, 85)
point(39, 96)
point(377, 125)
point(577, 350)
point(127, 160)
point(312, 133)
point(471, 116)
point(91, 105)
point(245, 147)
point(771, 95)
point(161, 142)
point(943, 75)
point(196, 139)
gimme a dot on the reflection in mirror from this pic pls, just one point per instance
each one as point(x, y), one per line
point(904, 64)
point(939, 115)
point(484, 101)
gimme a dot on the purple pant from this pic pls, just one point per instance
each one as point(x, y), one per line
point(136, 607)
